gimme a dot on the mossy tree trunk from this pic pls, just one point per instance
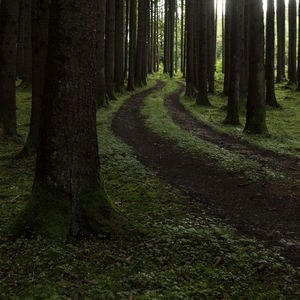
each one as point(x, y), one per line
point(8, 56)
point(40, 24)
point(270, 53)
point(101, 89)
point(68, 197)
point(237, 17)
point(256, 104)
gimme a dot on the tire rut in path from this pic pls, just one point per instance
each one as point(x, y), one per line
point(262, 210)
point(267, 158)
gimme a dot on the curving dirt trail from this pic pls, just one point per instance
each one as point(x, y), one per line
point(287, 165)
point(266, 210)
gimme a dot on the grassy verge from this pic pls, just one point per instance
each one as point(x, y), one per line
point(159, 121)
point(283, 124)
point(180, 256)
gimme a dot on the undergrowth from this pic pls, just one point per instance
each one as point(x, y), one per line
point(179, 255)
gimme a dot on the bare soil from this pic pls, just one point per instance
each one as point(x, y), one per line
point(266, 210)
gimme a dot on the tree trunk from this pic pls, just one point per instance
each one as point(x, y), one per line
point(68, 197)
point(171, 33)
point(237, 18)
point(227, 46)
point(110, 48)
point(281, 40)
point(202, 97)
point(292, 41)
point(132, 45)
point(256, 104)
point(28, 42)
point(119, 48)
point(40, 25)
point(190, 48)
point(270, 36)
point(9, 11)
point(101, 84)
point(211, 55)
point(21, 41)
point(126, 40)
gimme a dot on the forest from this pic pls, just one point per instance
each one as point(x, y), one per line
point(150, 149)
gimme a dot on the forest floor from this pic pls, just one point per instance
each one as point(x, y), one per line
point(218, 217)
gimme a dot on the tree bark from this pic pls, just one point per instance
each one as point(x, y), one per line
point(119, 45)
point(28, 42)
point(281, 40)
point(68, 197)
point(202, 97)
point(40, 25)
point(21, 41)
point(292, 72)
point(9, 11)
point(132, 45)
point(270, 36)
point(110, 48)
point(256, 104)
point(227, 46)
point(101, 84)
point(237, 17)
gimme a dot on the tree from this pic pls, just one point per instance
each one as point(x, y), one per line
point(227, 46)
point(132, 45)
point(68, 197)
point(110, 48)
point(119, 42)
point(270, 36)
point(27, 76)
point(40, 21)
point(256, 105)
point(101, 85)
point(237, 17)
point(292, 72)
point(202, 97)
point(8, 57)
point(281, 40)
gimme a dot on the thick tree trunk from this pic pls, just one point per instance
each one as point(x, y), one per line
point(256, 104)
point(119, 48)
point(126, 40)
point(40, 25)
point(101, 85)
point(171, 33)
point(270, 36)
point(298, 73)
point(28, 42)
point(281, 40)
point(9, 11)
point(68, 197)
point(20, 46)
point(211, 55)
point(132, 45)
point(237, 17)
point(110, 48)
point(227, 46)
point(292, 41)
point(167, 38)
point(190, 48)
point(202, 97)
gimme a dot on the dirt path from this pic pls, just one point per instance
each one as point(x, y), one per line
point(287, 165)
point(265, 210)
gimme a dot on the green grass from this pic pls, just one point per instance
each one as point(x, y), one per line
point(283, 124)
point(159, 121)
point(179, 255)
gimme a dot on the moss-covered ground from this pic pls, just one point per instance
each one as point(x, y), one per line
point(283, 123)
point(178, 254)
